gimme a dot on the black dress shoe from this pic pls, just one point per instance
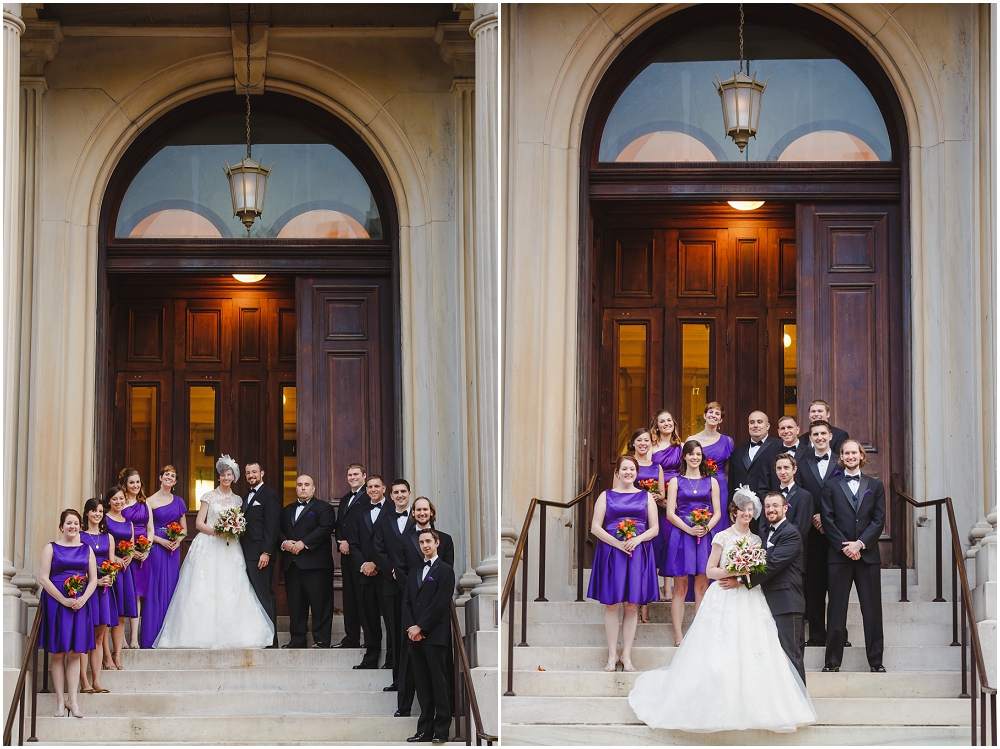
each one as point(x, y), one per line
point(386, 665)
point(400, 714)
point(831, 669)
point(815, 643)
point(847, 644)
point(878, 669)
point(365, 665)
point(420, 737)
point(390, 688)
point(271, 646)
point(439, 738)
point(318, 645)
point(289, 646)
point(345, 646)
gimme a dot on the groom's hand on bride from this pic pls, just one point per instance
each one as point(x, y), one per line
point(728, 583)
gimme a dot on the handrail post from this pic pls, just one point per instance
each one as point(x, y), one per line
point(34, 695)
point(581, 517)
point(510, 647)
point(938, 552)
point(524, 597)
point(965, 688)
point(900, 506)
point(543, 512)
point(456, 708)
point(467, 709)
point(954, 602)
point(972, 702)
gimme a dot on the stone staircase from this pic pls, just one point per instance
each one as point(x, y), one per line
point(573, 701)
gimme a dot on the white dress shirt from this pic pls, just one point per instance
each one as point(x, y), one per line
point(428, 563)
point(401, 520)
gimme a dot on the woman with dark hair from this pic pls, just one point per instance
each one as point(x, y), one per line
point(689, 497)
point(67, 618)
point(164, 563)
point(650, 479)
point(667, 452)
point(624, 571)
point(716, 448)
point(104, 605)
point(137, 512)
point(121, 529)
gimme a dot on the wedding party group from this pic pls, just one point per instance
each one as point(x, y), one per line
point(118, 563)
point(767, 538)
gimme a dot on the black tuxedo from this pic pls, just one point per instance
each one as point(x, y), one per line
point(783, 589)
point(409, 557)
point(387, 538)
point(801, 509)
point(427, 604)
point(349, 576)
point(309, 574)
point(854, 517)
point(262, 510)
point(816, 543)
point(361, 537)
point(758, 473)
point(836, 441)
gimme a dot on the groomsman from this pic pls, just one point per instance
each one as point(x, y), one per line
point(361, 537)
point(788, 433)
point(306, 528)
point(853, 516)
point(819, 410)
point(800, 506)
point(752, 463)
point(262, 510)
point(409, 557)
point(355, 498)
point(816, 467)
point(427, 619)
point(388, 535)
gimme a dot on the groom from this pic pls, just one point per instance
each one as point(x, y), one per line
point(262, 510)
point(782, 582)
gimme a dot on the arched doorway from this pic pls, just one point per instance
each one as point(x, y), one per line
point(296, 363)
point(685, 299)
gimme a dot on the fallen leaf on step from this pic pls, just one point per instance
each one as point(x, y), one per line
point(540, 668)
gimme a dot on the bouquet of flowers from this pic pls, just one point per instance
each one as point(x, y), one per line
point(649, 485)
point(143, 544)
point(626, 529)
point(173, 531)
point(109, 569)
point(746, 558)
point(74, 585)
point(125, 549)
point(700, 516)
point(231, 524)
point(712, 466)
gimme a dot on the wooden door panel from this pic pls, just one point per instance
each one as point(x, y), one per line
point(747, 362)
point(143, 435)
point(205, 334)
point(700, 274)
point(633, 267)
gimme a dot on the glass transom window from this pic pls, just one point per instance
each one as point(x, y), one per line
point(314, 191)
point(814, 108)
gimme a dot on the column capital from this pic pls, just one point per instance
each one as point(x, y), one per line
point(486, 18)
point(458, 48)
point(12, 17)
point(39, 45)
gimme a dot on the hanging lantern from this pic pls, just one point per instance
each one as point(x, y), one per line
point(248, 179)
point(741, 96)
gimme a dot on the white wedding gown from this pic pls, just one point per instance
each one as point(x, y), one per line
point(214, 606)
point(729, 673)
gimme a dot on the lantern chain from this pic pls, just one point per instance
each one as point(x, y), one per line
point(741, 50)
point(248, 78)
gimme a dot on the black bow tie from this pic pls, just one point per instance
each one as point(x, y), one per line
point(401, 514)
point(853, 478)
point(756, 444)
point(786, 490)
point(428, 562)
point(820, 458)
point(379, 505)
point(300, 503)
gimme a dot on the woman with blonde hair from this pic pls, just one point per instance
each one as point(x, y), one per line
point(137, 513)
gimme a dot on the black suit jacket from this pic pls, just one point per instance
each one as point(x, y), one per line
point(386, 539)
point(429, 605)
point(313, 529)
point(361, 537)
point(843, 523)
point(263, 515)
point(344, 512)
point(757, 474)
point(783, 580)
point(801, 509)
point(808, 474)
point(839, 436)
point(410, 557)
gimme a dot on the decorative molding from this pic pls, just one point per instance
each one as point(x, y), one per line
point(458, 48)
point(224, 32)
point(258, 57)
point(39, 45)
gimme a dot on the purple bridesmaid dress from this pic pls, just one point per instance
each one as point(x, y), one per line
point(670, 460)
point(63, 629)
point(720, 452)
point(617, 577)
point(125, 595)
point(686, 554)
point(139, 515)
point(164, 569)
point(105, 605)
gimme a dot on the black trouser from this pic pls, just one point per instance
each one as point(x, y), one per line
point(429, 664)
point(371, 620)
point(791, 635)
point(816, 584)
point(407, 688)
point(260, 580)
point(392, 612)
point(868, 580)
point(309, 590)
point(352, 604)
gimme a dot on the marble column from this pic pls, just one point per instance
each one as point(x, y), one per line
point(483, 376)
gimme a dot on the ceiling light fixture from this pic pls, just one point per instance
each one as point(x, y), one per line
point(249, 277)
point(746, 205)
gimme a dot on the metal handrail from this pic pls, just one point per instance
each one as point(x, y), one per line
point(469, 702)
point(968, 615)
point(17, 699)
point(521, 555)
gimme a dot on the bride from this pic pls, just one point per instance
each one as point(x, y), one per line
point(214, 605)
point(730, 672)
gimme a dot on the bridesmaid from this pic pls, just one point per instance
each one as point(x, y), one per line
point(640, 445)
point(624, 571)
point(717, 447)
point(164, 562)
point(667, 452)
point(67, 623)
point(690, 545)
point(121, 529)
point(104, 605)
point(136, 510)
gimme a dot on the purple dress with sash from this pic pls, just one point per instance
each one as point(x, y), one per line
point(617, 577)
point(139, 515)
point(105, 606)
point(125, 595)
point(164, 569)
point(670, 460)
point(719, 452)
point(686, 554)
point(63, 629)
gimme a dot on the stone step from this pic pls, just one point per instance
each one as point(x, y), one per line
point(895, 658)
point(850, 711)
point(944, 684)
point(640, 735)
point(237, 680)
point(651, 635)
point(213, 729)
point(298, 659)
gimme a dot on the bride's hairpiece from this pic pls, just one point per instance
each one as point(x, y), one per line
point(743, 495)
point(227, 463)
